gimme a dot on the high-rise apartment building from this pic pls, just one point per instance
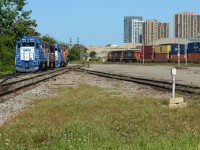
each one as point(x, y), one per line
point(154, 30)
point(133, 29)
point(187, 24)
point(137, 31)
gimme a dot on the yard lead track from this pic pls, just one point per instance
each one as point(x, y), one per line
point(7, 88)
point(151, 82)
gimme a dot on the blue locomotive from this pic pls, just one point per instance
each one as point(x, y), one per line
point(32, 55)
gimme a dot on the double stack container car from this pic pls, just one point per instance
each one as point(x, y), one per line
point(159, 53)
point(194, 52)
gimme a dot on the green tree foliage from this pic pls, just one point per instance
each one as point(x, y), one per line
point(73, 54)
point(49, 39)
point(14, 24)
point(93, 54)
point(75, 51)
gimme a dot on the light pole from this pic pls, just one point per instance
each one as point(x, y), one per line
point(178, 47)
point(143, 50)
point(185, 51)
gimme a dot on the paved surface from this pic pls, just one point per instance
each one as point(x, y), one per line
point(190, 75)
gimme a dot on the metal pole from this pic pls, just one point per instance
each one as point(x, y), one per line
point(173, 86)
point(143, 51)
point(178, 47)
point(185, 50)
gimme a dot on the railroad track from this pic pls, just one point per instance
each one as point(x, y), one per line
point(151, 82)
point(4, 78)
point(7, 88)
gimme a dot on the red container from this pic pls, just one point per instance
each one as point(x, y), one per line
point(148, 49)
point(162, 57)
point(174, 58)
point(194, 57)
point(149, 53)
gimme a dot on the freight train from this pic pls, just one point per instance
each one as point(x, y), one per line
point(158, 53)
point(32, 55)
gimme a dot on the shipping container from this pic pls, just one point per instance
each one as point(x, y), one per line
point(194, 57)
point(148, 49)
point(174, 57)
point(149, 53)
point(174, 48)
point(162, 57)
point(162, 49)
point(193, 47)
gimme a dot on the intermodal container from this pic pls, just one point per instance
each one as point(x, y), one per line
point(193, 47)
point(162, 49)
point(148, 53)
point(148, 49)
point(174, 57)
point(174, 48)
point(194, 57)
point(162, 57)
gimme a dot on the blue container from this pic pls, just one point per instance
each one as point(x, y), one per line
point(193, 47)
point(174, 48)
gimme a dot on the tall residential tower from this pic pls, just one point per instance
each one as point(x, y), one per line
point(154, 30)
point(187, 24)
point(133, 29)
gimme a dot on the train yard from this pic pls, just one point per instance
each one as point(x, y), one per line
point(17, 85)
point(126, 86)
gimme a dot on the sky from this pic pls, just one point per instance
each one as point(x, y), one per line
point(100, 22)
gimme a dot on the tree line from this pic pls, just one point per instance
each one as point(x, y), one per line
point(15, 22)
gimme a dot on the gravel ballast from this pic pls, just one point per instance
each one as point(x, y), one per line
point(15, 103)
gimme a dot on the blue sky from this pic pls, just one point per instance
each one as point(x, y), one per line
point(100, 22)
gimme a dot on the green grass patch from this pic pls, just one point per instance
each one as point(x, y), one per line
point(93, 118)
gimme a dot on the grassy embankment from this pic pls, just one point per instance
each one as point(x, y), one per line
point(94, 118)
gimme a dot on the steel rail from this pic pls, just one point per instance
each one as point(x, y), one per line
point(46, 76)
point(151, 82)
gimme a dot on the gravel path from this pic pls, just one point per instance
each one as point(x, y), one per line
point(12, 104)
point(190, 75)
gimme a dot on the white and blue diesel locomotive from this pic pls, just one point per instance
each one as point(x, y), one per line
point(32, 55)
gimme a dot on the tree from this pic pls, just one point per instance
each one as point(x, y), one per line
point(93, 54)
point(73, 54)
point(49, 39)
point(14, 21)
point(75, 51)
point(14, 24)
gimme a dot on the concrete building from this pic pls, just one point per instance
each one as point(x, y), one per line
point(137, 31)
point(187, 24)
point(132, 29)
point(154, 30)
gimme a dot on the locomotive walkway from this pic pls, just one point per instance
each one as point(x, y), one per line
point(188, 76)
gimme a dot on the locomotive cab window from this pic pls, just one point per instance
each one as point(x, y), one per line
point(25, 44)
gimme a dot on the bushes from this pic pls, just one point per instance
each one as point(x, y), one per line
point(7, 54)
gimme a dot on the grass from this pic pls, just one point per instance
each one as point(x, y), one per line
point(93, 118)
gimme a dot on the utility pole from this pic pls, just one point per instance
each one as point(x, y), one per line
point(178, 47)
point(143, 50)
